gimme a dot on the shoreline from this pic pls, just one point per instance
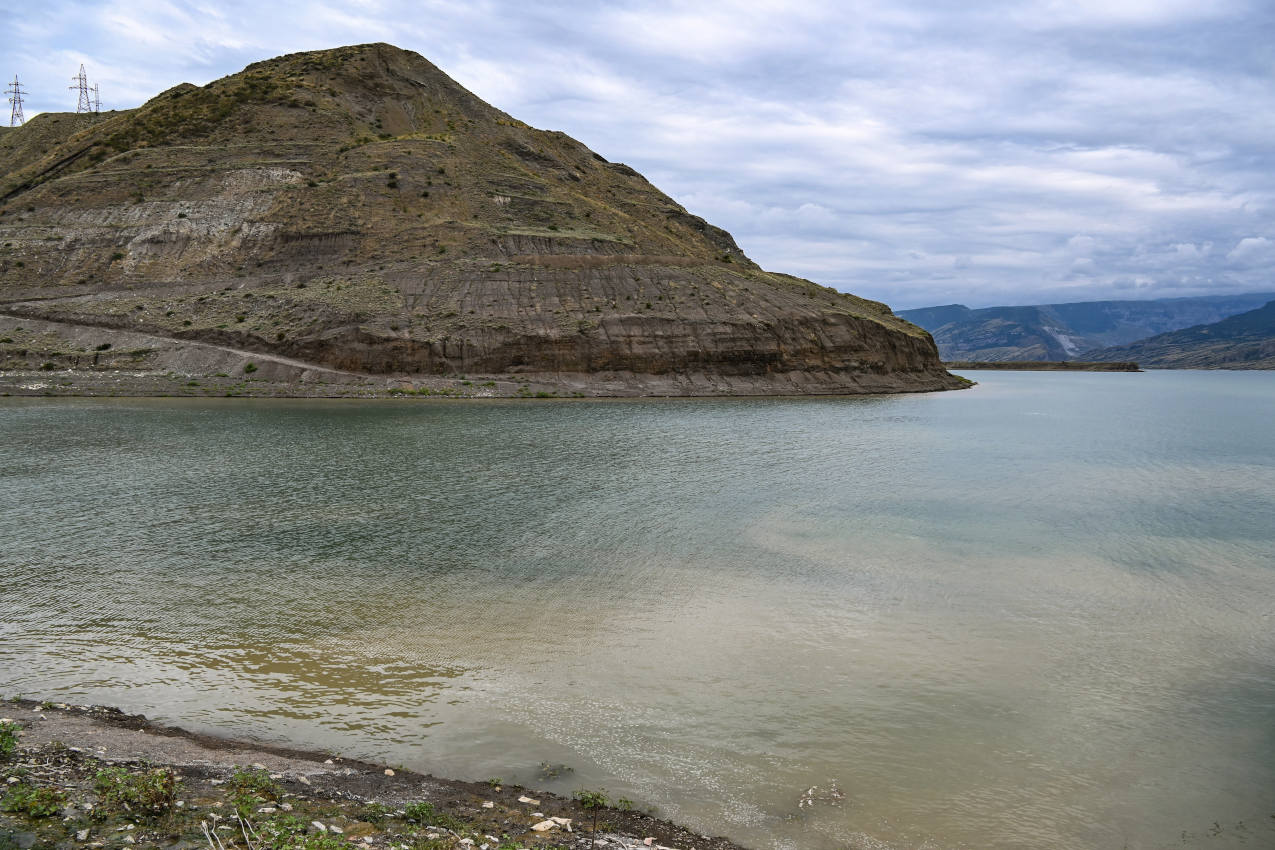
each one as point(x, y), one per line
point(244, 793)
point(1044, 365)
point(135, 384)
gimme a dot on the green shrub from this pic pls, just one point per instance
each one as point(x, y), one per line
point(250, 368)
point(374, 813)
point(248, 788)
point(149, 793)
point(426, 815)
point(23, 799)
point(592, 801)
point(257, 781)
point(8, 739)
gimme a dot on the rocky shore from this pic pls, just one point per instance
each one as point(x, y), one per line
point(91, 776)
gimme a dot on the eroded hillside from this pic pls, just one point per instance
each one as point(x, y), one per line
point(358, 210)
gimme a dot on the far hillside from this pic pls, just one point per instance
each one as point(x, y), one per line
point(1067, 331)
point(1246, 341)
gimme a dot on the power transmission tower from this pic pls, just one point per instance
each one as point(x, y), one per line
point(82, 84)
point(97, 101)
point(15, 93)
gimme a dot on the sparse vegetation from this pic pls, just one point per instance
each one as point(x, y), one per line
point(32, 801)
point(8, 739)
point(425, 814)
point(143, 794)
point(592, 801)
point(250, 789)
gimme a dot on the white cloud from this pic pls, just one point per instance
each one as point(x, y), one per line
point(1252, 250)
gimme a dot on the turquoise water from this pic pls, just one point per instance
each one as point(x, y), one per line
point(1039, 613)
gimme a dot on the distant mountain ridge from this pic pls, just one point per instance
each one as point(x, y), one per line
point(1246, 341)
point(1068, 331)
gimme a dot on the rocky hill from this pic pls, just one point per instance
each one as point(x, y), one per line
point(1067, 331)
point(355, 212)
point(1246, 341)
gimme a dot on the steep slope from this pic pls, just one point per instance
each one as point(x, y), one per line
point(1246, 341)
point(1064, 331)
point(358, 209)
point(25, 145)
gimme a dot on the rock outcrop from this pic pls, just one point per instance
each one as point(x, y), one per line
point(359, 210)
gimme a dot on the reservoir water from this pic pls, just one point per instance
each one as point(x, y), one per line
point(1038, 613)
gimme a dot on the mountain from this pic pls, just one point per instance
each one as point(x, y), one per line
point(1246, 341)
point(357, 210)
point(1064, 331)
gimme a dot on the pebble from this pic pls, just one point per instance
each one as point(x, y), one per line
point(287, 807)
point(258, 765)
point(336, 829)
point(303, 780)
point(544, 826)
point(488, 804)
point(82, 835)
point(320, 827)
point(216, 782)
point(328, 761)
point(389, 772)
point(266, 810)
point(526, 799)
point(128, 839)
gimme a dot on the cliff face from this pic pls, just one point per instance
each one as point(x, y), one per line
point(357, 209)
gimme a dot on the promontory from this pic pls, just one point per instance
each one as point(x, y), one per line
point(353, 221)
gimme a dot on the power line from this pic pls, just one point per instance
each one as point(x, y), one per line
point(15, 93)
point(82, 84)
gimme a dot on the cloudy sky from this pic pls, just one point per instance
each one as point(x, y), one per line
point(916, 151)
